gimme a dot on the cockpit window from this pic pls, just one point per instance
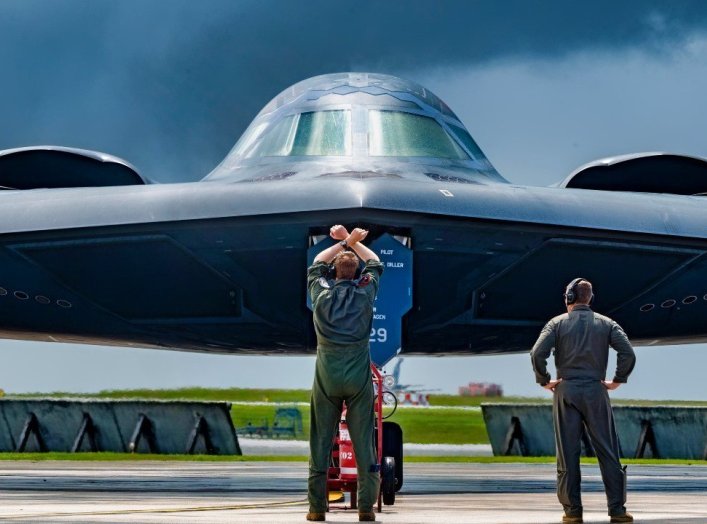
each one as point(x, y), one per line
point(248, 139)
point(320, 133)
point(394, 133)
point(468, 142)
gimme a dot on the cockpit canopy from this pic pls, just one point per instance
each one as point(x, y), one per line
point(328, 133)
point(359, 120)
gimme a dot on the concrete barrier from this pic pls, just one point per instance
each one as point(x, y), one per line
point(678, 432)
point(117, 425)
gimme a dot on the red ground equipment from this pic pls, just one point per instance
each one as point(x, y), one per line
point(347, 459)
point(342, 474)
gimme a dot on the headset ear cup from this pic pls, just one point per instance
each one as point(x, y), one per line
point(570, 295)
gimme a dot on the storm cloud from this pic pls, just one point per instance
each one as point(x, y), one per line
point(171, 85)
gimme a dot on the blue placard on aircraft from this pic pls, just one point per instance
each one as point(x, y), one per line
point(394, 295)
point(394, 298)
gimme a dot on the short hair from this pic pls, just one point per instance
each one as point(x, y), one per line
point(346, 264)
point(584, 292)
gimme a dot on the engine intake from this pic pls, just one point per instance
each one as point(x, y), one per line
point(54, 167)
point(643, 173)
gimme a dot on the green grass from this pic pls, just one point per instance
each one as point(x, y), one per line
point(302, 395)
point(456, 400)
point(449, 426)
point(629, 402)
point(551, 460)
point(140, 457)
point(213, 394)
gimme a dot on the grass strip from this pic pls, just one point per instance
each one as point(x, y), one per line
point(448, 426)
point(109, 456)
point(193, 393)
point(146, 457)
point(549, 460)
point(302, 395)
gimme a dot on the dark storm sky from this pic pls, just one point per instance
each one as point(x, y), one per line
point(171, 85)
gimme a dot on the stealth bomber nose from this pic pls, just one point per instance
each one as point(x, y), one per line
point(355, 123)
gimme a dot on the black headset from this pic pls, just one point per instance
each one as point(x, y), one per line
point(571, 292)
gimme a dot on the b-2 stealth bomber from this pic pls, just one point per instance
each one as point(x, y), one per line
point(91, 252)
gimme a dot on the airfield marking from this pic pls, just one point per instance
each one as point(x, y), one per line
point(192, 509)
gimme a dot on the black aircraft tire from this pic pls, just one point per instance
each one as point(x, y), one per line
point(393, 447)
point(388, 481)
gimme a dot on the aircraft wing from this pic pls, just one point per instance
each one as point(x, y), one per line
point(220, 267)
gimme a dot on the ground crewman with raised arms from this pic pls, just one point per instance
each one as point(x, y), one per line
point(343, 314)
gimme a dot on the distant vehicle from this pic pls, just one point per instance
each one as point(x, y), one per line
point(481, 389)
point(287, 422)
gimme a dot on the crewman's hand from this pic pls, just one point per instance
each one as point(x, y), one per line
point(357, 235)
point(338, 232)
point(550, 386)
point(611, 385)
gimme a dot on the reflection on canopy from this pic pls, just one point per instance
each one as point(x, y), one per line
point(328, 133)
point(323, 133)
point(394, 133)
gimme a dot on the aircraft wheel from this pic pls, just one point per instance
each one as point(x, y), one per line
point(393, 447)
point(388, 481)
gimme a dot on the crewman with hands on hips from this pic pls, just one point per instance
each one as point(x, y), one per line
point(581, 339)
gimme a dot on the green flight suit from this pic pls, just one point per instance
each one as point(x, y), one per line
point(581, 340)
point(343, 314)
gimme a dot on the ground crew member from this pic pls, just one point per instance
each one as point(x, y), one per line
point(343, 314)
point(581, 339)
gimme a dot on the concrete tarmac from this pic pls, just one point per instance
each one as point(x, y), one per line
point(275, 492)
point(272, 447)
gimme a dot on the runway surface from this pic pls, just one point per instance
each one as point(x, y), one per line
point(270, 447)
point(274, 492)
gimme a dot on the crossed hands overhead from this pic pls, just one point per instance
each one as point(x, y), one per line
point(353, 240)
point(339, 232)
